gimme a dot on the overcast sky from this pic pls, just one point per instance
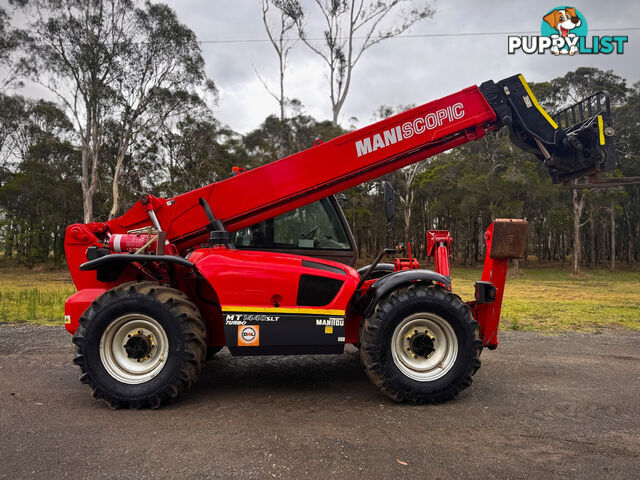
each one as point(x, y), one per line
point(399, 71)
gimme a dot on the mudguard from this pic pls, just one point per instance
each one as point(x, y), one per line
point(392, 281)
point(386, 267)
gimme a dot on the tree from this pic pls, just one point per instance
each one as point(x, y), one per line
point(159, 69)
point(198, 152)
point(268, 142)
point(35, 214)
point(409, 174)
point(351, 27)
point(107, 60)
point(11, 107)
point(11, 122)
point(281, 43)
point(578, 206)
point(11, 39)
point(72, 50)
point(628, 156)
point(584, 81)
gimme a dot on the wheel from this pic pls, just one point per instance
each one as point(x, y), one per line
point(420, 345)
point(140, 345)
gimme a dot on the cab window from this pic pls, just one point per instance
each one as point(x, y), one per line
point(314, 226)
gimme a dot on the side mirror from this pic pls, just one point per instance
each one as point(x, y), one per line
point(389, 202)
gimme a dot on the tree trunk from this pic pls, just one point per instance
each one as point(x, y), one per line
point(8, 239)
point(578, 206)
point(335, 113)
point(613, 236)
point(409, 174)
point(469, 255)
point(281, 100)
point(115, 187)
point(593, 239)
point(475, 241)
point(90, 153)
point(116, 178)
point(407, 223)
point(425, 228)
point(87, 195)
point(630, 255)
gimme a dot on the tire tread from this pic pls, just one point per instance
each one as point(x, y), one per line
point(191, 326)
point(373, 355)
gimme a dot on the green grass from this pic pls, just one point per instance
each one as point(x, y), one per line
point(551, 299)
point(540, 298)
point(32, 296)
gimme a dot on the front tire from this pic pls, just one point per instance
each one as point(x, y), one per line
point(140, 345)
point(420, 345)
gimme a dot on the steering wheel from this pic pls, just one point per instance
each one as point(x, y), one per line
point(311, 233)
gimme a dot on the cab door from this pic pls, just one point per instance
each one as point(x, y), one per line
point(316, 230)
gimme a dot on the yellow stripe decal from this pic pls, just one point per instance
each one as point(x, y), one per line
point(601, 128)
point(305, 311)
point(535, 102)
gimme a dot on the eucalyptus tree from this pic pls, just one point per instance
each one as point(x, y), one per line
point(279, 27)
point(349, 28)
point(72, 51)
point(113, 60)
point(160, 74)
point(11, 40)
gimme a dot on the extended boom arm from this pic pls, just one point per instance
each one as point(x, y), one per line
point(580, 148)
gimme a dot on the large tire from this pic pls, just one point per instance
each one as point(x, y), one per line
point(420, 345)
point(140, 345)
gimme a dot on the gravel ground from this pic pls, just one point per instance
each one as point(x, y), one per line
point(540, 407)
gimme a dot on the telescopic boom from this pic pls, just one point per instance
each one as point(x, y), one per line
point(569, 146)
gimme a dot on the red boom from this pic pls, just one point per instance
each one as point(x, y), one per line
point(320, 171)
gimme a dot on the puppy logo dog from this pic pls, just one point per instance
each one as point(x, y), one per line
point(563, 30)
point(564, 20)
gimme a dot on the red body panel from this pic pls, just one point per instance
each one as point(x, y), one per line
point(264, 279)
point(76, 305)
point(77, 239)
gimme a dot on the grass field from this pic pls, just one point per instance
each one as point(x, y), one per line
point(33, 296)
point(552, 299)
point(546, 298)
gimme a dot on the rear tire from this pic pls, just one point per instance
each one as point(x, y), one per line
point(420, 345)
point(140, 345)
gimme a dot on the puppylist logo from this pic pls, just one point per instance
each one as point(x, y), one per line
point(564, 32)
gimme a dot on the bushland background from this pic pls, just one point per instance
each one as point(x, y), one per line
point(130, 109)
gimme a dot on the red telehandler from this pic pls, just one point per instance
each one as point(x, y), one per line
point(260, 262)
